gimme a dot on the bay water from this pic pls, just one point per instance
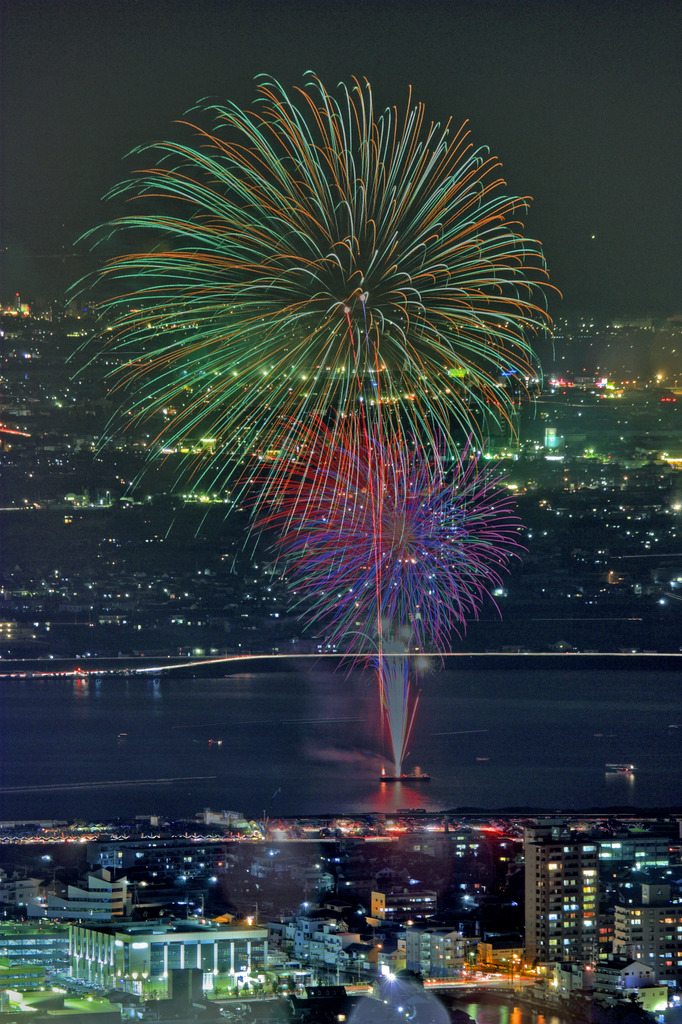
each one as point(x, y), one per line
point(301, 737)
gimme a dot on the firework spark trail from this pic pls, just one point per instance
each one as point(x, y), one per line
point(307, 255)
point(445, 533)
point(398, 701)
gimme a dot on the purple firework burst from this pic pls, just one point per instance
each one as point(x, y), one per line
point(388, 542)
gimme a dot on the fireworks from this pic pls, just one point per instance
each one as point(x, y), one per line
point(394, 548)
point(314, 262)
point(311, 255)
point(390, 540)
point(398, 701)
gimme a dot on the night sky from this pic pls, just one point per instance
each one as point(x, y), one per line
point(581, 101)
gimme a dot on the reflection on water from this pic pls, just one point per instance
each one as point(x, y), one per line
point(398, 796)
point(501, 1013)
point(620, 782)
point(81, 686)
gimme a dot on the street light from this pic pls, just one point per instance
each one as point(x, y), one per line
point(514, 961)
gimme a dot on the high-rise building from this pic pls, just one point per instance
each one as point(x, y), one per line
point(561, 894)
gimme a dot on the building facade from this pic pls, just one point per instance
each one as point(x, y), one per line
point(403, 904)
point(98, 898)
point(174, 859)
point(650, 931)
point(639, 851)
point(562, 871)
point(139, 958)
point(570, 979)
point(21, 978)
point(26, 942)
point(19, 892)
point(618, 976)
point(500, 953)
point(435, 952)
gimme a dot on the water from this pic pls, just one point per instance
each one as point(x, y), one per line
point(492, 734)
point(430, 1007)
point(489, 1012)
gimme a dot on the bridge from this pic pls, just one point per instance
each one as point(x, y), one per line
point(473, 987)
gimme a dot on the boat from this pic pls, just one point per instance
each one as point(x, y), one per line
point(417, 775)
point(620, 768)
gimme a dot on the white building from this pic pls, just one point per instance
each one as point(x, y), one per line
point(313, 940)
point(139, 958)
point(435, 952)
point(99, 898)
point(572, 979)
point(617, 976)
point(321, 940)
point(19, 892)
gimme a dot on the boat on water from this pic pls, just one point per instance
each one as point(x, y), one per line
point(416, 775)
point(620, 768)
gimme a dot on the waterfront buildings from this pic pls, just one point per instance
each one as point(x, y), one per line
point(454, 909)
point(562, 869)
